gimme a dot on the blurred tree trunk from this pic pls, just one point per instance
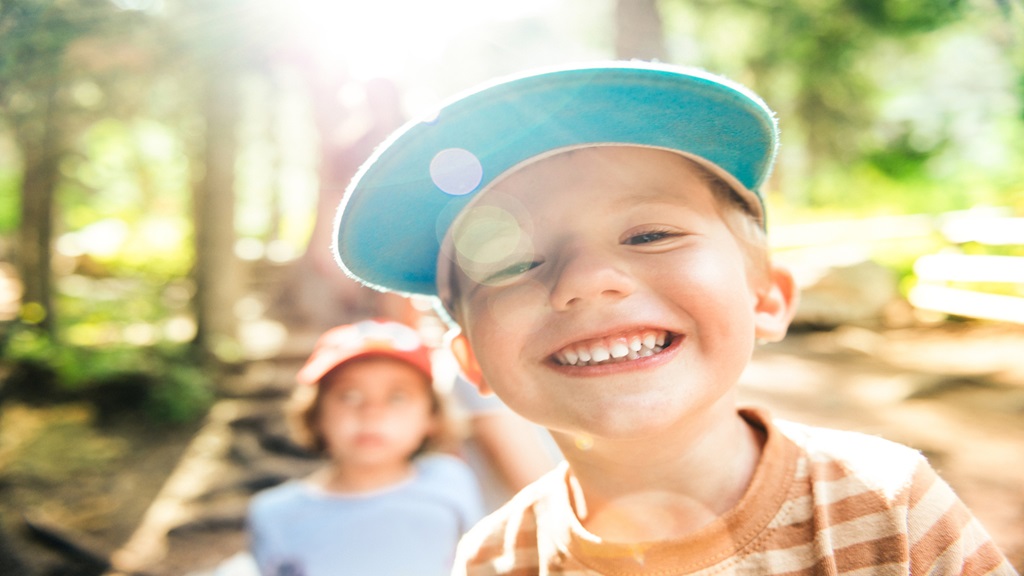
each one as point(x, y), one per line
point(217, 47)
point(217, 269)
point(39, 144)
point(638, 31)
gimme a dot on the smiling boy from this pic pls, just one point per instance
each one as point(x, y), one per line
point(598, 235)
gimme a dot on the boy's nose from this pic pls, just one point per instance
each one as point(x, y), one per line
point(588, 277)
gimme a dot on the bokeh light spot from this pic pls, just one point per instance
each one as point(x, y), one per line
point(456, 171)
point(487, 234)
point(584, 441)
point(32, 312)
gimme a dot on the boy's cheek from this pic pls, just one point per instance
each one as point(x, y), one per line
point(506, 307)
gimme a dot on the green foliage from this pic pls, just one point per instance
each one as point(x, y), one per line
point(906, 16)
point(114, 310)
point(902, 160)
point(889, 184)
point(10, 200)
point(183, 394)
point(162, 381)
point(23, 344)
point(125, 200)
point(904, 95)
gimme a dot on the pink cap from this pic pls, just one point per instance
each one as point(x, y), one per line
point(367, 338)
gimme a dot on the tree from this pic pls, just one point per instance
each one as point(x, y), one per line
point(810, 60)
point(216, 58)
point(40, 66)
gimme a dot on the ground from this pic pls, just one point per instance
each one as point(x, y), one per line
point(953, 391)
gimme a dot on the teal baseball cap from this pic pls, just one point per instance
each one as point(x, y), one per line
point(399, 207)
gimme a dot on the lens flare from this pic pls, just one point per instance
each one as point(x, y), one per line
point(456, 171)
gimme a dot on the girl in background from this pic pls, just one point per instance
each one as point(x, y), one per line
point(388, 501)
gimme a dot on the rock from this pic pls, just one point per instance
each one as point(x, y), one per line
point(859, 294)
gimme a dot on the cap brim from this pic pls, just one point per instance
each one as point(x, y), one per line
point(395, 215)
point(320, 365)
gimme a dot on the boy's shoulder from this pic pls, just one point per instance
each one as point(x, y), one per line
point(874, 463)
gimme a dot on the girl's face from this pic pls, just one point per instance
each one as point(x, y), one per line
point(375, 412)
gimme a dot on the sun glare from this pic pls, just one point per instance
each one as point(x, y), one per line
point(387, 37)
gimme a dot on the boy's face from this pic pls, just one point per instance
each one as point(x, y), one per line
point(375, 411)
point(599, 253)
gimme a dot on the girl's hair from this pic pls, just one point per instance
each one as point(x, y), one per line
point(303, 417)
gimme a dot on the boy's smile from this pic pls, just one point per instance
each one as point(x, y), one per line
point(603, 291)
point(630, 345)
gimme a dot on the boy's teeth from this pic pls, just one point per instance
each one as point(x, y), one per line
point(635, 343)
point(621, 348)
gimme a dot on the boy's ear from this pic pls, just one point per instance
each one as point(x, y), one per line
point(459, 346)
point(776, 304)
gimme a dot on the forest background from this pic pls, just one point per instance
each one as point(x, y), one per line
point(169, 170)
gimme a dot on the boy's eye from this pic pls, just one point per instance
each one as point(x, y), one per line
point(511, 271)
point(647, 237)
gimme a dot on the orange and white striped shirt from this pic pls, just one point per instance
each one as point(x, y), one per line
point(820, 502)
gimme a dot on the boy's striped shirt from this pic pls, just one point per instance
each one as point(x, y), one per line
point(821, 502)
